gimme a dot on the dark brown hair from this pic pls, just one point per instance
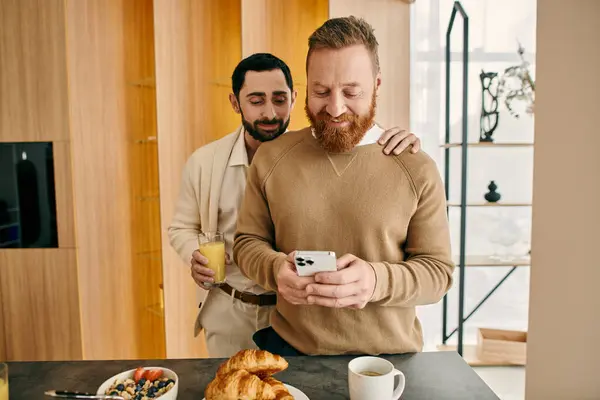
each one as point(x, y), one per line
point(259, 62)
point(338, 33)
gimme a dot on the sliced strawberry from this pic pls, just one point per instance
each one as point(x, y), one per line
point(138, 374)
point(153, 374)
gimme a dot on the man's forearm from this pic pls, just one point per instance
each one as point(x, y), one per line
point(421, 280)
point(257, 260)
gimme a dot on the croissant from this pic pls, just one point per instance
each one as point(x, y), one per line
point(238, 385)
point(258, 362)
point(281, 392)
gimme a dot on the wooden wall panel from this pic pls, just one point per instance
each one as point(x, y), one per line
point(3, 352)
point(39, 305)
point(197, 44)
point(64, 195)
point(282, 28)
point(218, 39)
point(391, 21)
point(33, 76)
point(100, 177)
point(140, 101)
point(115, 159)
point(107, 47)
point(38, 289)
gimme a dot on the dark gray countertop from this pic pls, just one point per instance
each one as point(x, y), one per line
point(435, 376)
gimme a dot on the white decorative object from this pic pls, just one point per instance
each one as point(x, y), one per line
point(517, 86)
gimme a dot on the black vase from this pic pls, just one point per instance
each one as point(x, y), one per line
point(492, 196)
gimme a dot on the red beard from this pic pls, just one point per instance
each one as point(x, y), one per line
point(340, 140)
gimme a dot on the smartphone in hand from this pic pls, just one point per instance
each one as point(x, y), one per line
point(309, 263)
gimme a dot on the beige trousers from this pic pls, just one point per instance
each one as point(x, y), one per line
point(229, 323)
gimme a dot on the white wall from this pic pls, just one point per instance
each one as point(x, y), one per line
point(563, 342)
point(495, 27)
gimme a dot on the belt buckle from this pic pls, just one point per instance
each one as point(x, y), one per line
point(244, 297)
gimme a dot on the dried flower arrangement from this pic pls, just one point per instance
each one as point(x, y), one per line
point(517, 85)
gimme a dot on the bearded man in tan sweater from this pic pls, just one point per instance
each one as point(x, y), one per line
point(329, 188)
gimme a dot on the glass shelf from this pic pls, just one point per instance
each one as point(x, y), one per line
point(490, 261)
point(485, 204)
point(488, 144)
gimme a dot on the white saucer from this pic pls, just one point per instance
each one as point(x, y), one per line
point(296, 393)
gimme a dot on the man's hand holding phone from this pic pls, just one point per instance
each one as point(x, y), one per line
point(352, 285)
point(350, 282)
point(290, 285)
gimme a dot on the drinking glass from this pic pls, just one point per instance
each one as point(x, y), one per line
point(212, 246)
point(3, 381)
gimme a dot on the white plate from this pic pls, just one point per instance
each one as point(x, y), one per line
point(297, 393)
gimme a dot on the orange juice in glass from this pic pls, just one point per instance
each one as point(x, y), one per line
point(212, 246)
point(3, 381)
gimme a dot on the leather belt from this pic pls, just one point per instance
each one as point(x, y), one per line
point(251, 298)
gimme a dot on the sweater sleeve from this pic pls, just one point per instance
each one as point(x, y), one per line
point(186, 224)
point(425, 275)
point(253, 249)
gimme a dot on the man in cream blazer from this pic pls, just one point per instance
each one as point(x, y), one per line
point(212, 189)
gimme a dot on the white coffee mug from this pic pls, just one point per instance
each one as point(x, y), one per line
point(372, 378)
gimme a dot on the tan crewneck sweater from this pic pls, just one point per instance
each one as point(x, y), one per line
point(387, 210)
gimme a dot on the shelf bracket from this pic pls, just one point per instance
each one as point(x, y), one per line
point(487, 296)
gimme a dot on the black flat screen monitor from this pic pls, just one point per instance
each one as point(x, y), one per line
point(27, 196)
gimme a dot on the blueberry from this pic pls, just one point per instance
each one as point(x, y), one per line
point(162, 384)
point(151, 395)
point(152, 389)
point(120, 387)
point(138, 396)
point(142, 381)
point(114, 393)
point(170, 381)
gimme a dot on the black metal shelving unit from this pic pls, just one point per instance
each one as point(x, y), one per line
point(458, 9)
point(463, 262)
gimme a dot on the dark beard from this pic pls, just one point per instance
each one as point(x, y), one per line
point(340, 140)
point(254, 130)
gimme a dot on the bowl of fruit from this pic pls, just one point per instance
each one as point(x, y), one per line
point(142, 383)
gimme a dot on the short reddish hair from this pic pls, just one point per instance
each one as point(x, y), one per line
point(338, 33)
